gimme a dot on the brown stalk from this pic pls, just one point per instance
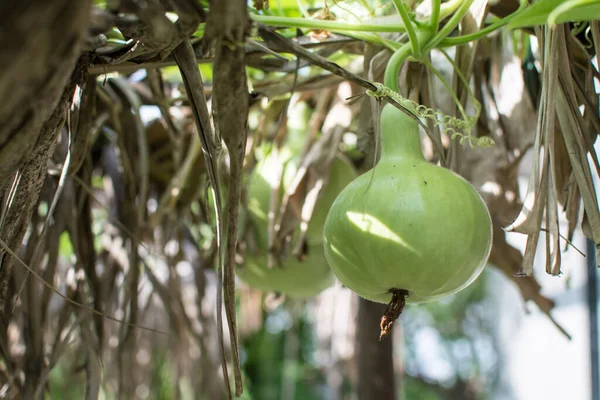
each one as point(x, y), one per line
point(82, 132)
point(184, 55)
point(132, 146)
point(553, 255)
point(82, 236)
point(228, 26)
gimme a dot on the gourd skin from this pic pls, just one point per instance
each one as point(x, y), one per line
point(294, 278)
point(408, 224)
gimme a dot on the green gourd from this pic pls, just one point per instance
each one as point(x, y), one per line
point(407, 231)
point(294, 277)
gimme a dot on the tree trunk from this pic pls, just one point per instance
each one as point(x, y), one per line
point(376, 379)
point(40, 44)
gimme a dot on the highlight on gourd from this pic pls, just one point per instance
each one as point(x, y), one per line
point(407, 231)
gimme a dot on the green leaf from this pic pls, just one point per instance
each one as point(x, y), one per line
point(540, 12)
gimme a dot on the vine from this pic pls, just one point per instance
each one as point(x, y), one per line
point(455, 127)
point(424, 35)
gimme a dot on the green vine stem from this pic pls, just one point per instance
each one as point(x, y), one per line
point(434, 19)
point(437, 73)
point(375, 39)
point(460, 40)
point(366, 31)
point(455, 127)
point(410, 29)
point(399, 57)
point(449, 27)
point(423, 37)
point(443, 12)
point(463, 79)
point(461, 127)
point(334, 26)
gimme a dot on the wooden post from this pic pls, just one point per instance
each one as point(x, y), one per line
point(376, 378)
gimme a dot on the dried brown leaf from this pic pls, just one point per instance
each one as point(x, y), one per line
point(229, 26)
point(553, 255)
point(184, 55)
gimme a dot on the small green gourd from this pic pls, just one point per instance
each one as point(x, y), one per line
point(294, 277)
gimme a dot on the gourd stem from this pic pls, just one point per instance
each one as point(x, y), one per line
point(394, 64)
point(393, 311)
point(392, 70)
